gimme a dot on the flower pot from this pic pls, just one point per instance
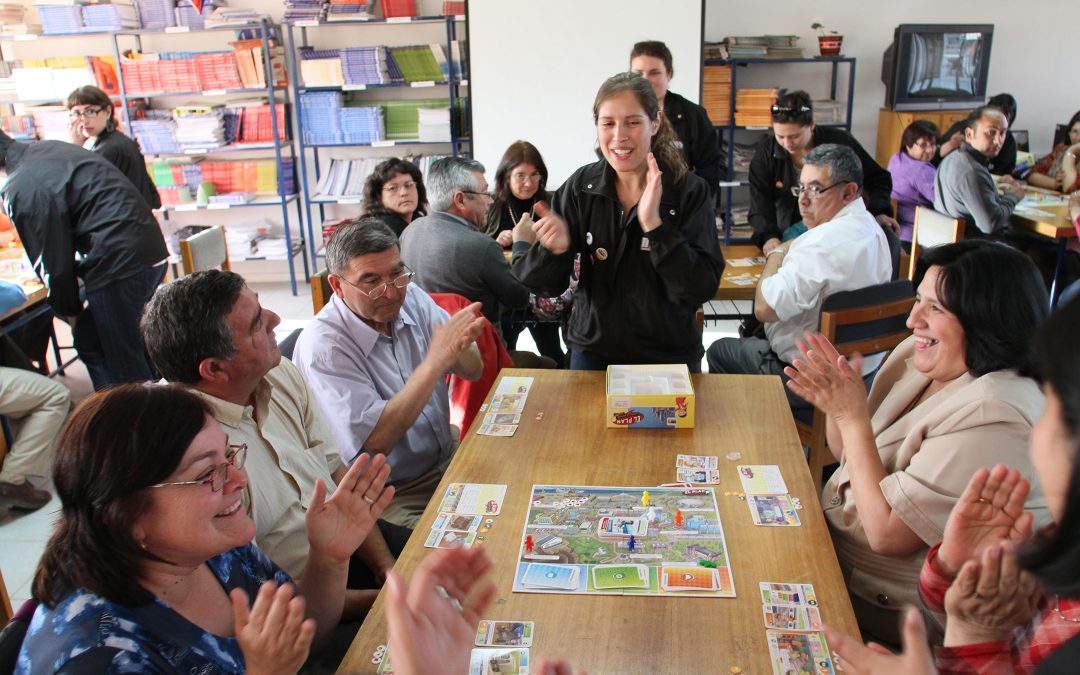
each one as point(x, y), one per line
point(830, 44)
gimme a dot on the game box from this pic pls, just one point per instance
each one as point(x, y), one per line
point(650, 397)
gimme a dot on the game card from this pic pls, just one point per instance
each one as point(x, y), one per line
point(542, 575)
point(762, 479)
point(687, 578)
point(473, 499)
point(706, 476)
point(622, 526)
point(746, 262)
point(456, 521)
point(485, 661)
point(490, 633)
point(502, 418)
point(799, 653)
point(696, 462)
point(788, 594)
point(449, 539)
point(605, 577)
point(507, 403)
point(791, 617)
point(497, 429)
point(772, 510)
point(385, 667)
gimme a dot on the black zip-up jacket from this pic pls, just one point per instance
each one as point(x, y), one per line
point(638, 292)
point(124, 153)
point(774, 209)
point(65, 200)
point(698, 136)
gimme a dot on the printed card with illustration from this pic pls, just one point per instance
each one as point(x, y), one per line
point(449, 539)
point(688, 578)
point(705, 476)
point(481, 499)
point(696, 462)
point(542, 575)
point(791, 617)
point(502, 418)
point(497, 429)
point(491, 633)
point(487, 661)
point(773, 510)
point(787, 594)
point(762, 479)
point(605, 577)
point(456, 521)
point(799, 653)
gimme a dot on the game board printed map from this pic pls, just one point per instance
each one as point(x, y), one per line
point(580, 541)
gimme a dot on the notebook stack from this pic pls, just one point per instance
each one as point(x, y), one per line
point(361, 124)
point(303, 10)
point(177, 72)
point(217, 70)
point(348, 10)
point(321, 68)
point(403, 120)
point(156, 133)
point(156, 14)
point(60, 17)
point(319, 117)
point(142, 73)
point(232, 16)
point(753, 107)
point(418, 63)
point(398, 8)
point(364, 65)
point(114, 16)
point(433, 125)
point(200, 126)
point(716, 97)
point(187, 15)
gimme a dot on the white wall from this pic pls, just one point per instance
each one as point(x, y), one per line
point(1033, 56)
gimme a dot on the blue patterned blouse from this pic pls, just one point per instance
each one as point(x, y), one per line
point(87, 633)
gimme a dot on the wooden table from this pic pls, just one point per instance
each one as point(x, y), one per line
point(1058, 226)
point(621, 634)
point(731, 291)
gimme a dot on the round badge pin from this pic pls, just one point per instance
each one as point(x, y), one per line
point(588, 238)
point(601, 254)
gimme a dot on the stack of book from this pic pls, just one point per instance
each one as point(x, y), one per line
point(398, 8)
point(51, 123)
point(783, 47)
point(187, 15)
point(200, 126)
point(747, 46)
point(59, 17)
point(348, 10)
point(716, 97)
point(156, 133)
point(217, 70)
point(319, 117)
point(232, 16)
point(321, 67)
point(251, 63)
point(52, 78)
point(141, 73)
point(303, 10)
point(420, 63)
point(176, 72)
point(361, 124)
point(254, 122)
point(117, 15)
point(403, 118)
point(433, 125)
point(827, 111)
point(752, 107)
point(156, 14)
point(364, 65)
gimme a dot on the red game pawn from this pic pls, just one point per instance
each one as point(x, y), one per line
point(678, 519)
point(528, 544)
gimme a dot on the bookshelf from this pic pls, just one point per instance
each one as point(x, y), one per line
point(391, 83)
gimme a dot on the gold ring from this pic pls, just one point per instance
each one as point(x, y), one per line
point(367, 499)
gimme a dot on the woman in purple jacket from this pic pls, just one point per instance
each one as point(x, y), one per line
point(913, 174)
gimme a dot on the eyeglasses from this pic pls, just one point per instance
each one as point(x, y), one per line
point(525, 177)
point(393, 189)
point(219, 475)
point(399, 282)
point(478, 194)
point(85, 112)
point(813, 192)
point(788, 109)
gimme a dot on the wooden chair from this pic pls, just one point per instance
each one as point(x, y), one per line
point(932, 229)
point(6, 612)
point(205, 250)
point(869, 321)
point(3, 439)
point(320, 290)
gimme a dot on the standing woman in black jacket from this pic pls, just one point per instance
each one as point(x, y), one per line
point(646, 231)
point(93, 126)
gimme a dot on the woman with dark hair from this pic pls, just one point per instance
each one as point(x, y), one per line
point(1057, 171)
point(778, 161)
point(394, 194)
point(645, 230)
point(151, 566)
point(955, 396)
point(913, 174)
point(93, 126)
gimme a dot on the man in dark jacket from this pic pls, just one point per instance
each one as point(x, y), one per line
point(652, 60)
point(67, 202)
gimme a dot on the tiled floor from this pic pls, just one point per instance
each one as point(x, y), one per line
point(23, 537)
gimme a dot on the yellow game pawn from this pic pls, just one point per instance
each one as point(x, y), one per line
point(645, 498)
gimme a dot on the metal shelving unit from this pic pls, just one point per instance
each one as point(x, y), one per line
point(730, 181)
point(458, 140)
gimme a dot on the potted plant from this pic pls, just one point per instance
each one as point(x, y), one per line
point(828, 42)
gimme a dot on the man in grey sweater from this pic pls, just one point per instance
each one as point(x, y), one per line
point(448, 249)
point(964, 188)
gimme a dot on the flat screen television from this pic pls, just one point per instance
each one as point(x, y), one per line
point(931, 66)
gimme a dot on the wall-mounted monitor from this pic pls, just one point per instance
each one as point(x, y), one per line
point(932, 66)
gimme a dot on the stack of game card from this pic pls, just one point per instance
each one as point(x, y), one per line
point(793, 625)
point(767, 495)
point(503, 414)
point(503, 647)
point(697, 469)
point(465, 513)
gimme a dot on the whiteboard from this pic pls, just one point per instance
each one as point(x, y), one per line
point(535, 68)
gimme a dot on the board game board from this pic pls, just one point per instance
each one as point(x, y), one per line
point(580, 538)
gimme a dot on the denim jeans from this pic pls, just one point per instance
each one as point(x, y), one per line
point(106, 332)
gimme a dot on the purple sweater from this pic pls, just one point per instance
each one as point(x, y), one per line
point(912, 185)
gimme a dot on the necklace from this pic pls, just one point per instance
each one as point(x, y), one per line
point(1057, 608)
point(514, 219)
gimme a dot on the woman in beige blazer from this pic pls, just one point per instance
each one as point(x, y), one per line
point(956, 396)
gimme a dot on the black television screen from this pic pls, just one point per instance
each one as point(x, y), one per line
point(933, 66)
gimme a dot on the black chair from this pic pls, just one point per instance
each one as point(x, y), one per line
point(894, 250)
point(289, 344)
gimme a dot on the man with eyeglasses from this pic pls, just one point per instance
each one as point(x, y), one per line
point(209, 332)
point(843, 249)
point(81, 220)
point(449, 250)
point(376, 358)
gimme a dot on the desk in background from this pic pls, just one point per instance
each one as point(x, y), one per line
point(572, 446)
point(1057, 226)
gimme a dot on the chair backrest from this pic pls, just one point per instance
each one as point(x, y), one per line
point(205, 250)
point(869, 320)
point(320, 290)
point(932, 229)
point(895, 248)
point(5, 603)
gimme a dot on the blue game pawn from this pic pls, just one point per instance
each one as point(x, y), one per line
point(630, 544)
